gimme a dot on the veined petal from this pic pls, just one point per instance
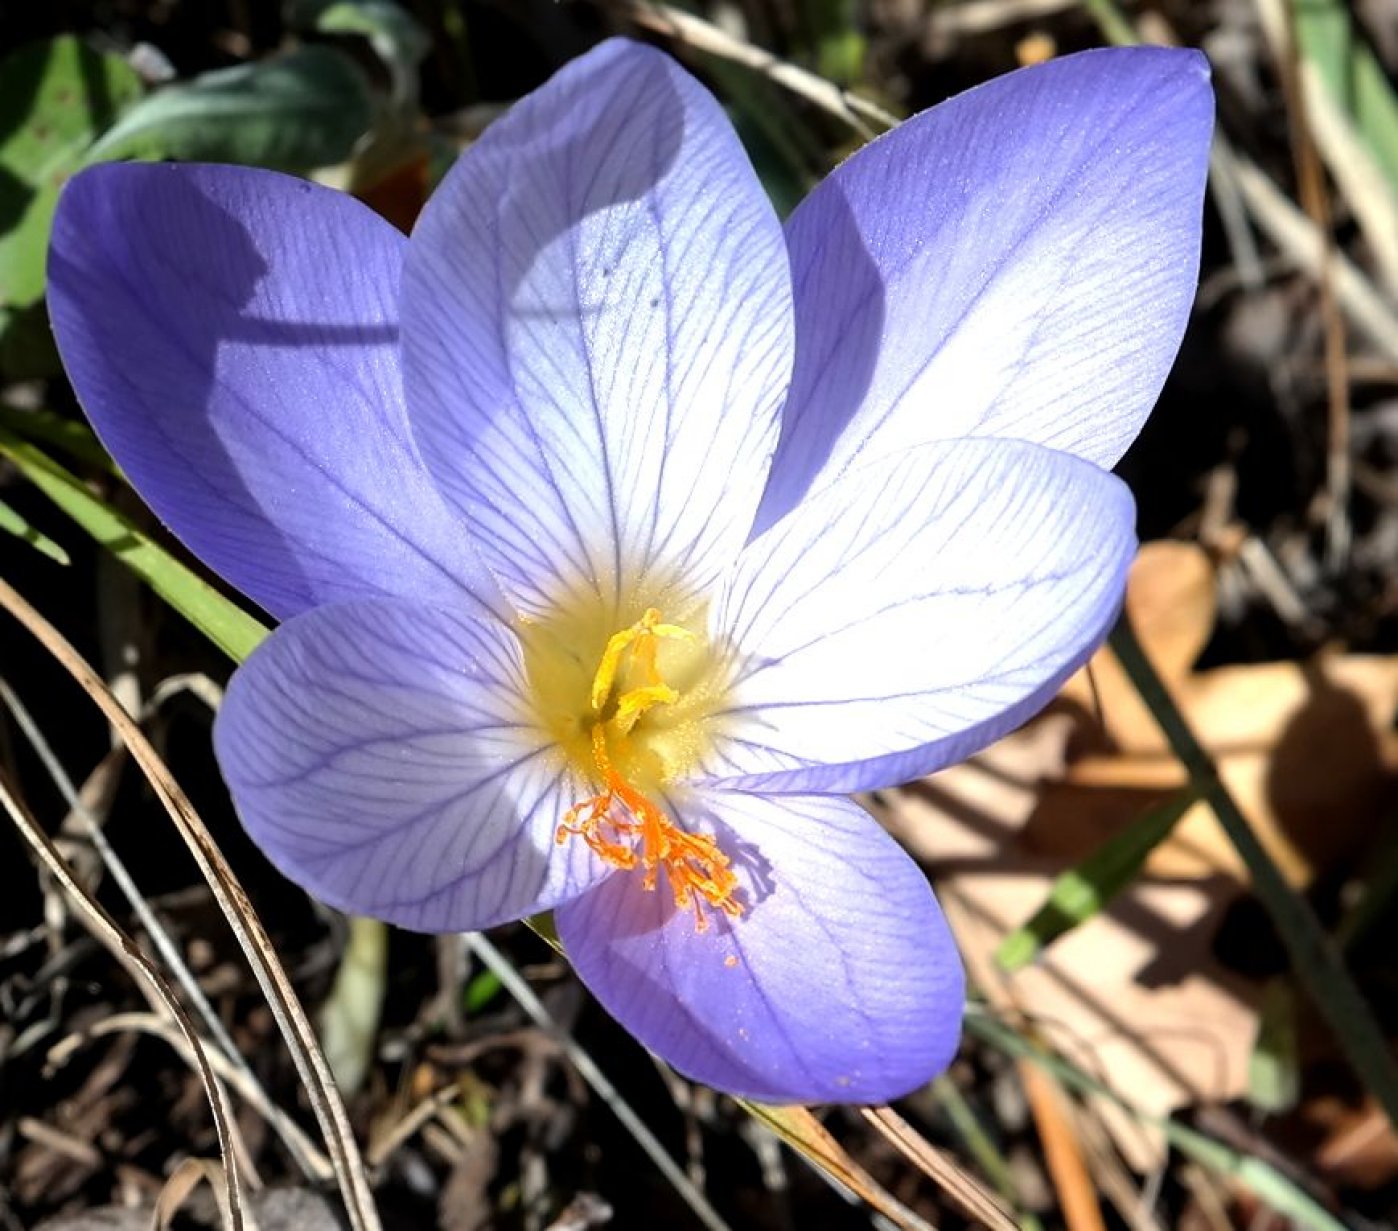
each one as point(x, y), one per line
point(839, 982)
point(232, 335)
point(1017, 262)
point(377, 753)
point(911, 613)
point(597, 332)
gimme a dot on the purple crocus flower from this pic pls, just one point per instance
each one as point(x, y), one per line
point(618, 532)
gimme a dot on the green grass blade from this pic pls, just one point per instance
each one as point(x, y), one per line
point(1315, 959)
point(481, 992)
point(978, 1144)
point(12, 523)
point(1274, 1068)
point(1260, 1178)
point(836, 44)
point(1083, 891)
point(349, 1019)
point(1327, 36)
point(227, 625)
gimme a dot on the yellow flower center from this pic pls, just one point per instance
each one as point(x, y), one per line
point(633, 724)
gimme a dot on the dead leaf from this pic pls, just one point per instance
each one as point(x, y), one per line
point(1136, 995)
point(1360, 1149)
point(1308, 750)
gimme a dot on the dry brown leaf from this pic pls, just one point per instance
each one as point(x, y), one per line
point(1360, 1148)
point(1136, 995)
point(1307, 749)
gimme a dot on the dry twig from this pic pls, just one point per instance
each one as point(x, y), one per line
point(865, 117)
point(106, 929)
point(247, 927)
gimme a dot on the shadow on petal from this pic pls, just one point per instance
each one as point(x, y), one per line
point(377, 755)
point(841, 367)
point(233, 336)
point(598, 334)
point(838, 983)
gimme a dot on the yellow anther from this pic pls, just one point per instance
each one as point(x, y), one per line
point(644, 636)
point(621, 825)
point(631, 705)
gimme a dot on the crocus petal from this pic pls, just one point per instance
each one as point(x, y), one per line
point(909, 614)
point(233, 336)
point(378, 754)
point(839, 982)
point(597, 332)
point(1017, 262)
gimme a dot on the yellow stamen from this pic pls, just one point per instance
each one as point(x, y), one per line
point(621, 824)
point(642, 639)
point(637, 701)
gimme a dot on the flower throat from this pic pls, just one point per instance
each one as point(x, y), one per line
point(622, 824)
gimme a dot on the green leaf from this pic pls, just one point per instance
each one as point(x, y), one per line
point(227, 625)
point(293, 112)
point(481, 990)
point(12, 523)
point(1326, 36)
point(55, 98)
point(395, 35)
point(1083, 891)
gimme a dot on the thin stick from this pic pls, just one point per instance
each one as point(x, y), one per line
point(799, 1129)
point(247, 927)
point(1284, 224)
point(1257, 1175)
point(297, 1142)
point(866, 118)
point(106, 929)
point(1232, 212)
point(958, 1183)
point(1077, 1195)
point(533, 1007)
point(1292, 232)
point(165, 946)
point(982, 16)
point(982, 1148)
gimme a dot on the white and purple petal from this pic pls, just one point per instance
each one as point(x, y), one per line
point(913, 612)
point(839, 983)
point(232, 335)
point(597, 333)
point(1019, 261)
point(381, 755)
